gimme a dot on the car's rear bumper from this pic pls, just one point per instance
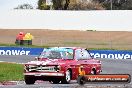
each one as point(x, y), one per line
point(43, 74)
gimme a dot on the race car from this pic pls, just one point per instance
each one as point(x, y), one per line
point(60, 65)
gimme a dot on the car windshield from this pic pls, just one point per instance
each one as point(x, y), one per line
point(57, 53)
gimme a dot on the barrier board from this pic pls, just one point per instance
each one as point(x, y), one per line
point(110, 54)
point(20, 51)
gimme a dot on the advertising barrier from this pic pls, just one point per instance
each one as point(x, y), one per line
point(104, 78)
point(110, 54)
point(20, 51)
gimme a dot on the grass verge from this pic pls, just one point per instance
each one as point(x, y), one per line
point(69, 43)
point(11, 72)
point(15, 45)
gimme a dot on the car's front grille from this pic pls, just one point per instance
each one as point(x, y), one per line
point(40, 68)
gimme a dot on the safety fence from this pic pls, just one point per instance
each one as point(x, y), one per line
point(110, 54)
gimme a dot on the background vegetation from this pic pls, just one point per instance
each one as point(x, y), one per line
point(86, 5)
point(81, 5)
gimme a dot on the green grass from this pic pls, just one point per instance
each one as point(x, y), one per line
point(10, 71)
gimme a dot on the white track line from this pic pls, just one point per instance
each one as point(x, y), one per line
point(12, 62)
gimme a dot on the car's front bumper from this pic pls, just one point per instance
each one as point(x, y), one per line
point(43, 74)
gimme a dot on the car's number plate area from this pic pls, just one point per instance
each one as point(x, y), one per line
point(38, 74)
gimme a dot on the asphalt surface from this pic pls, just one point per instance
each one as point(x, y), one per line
point(109, 66)
point(17, 59)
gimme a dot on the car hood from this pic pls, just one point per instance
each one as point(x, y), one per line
point(50, 62)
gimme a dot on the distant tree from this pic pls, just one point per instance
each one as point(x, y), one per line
point(86, 5)
point(117, 4)
point(60, 4)
point(66, 4)
point(57, 4)
point(42, 5)
point(127, 5)
point(24, 6)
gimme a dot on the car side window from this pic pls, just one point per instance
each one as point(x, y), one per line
point(67, 55)
point(82, 54)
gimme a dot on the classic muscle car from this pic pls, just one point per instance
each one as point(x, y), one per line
point(60, 65)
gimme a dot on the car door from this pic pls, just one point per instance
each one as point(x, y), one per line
point(82, 57)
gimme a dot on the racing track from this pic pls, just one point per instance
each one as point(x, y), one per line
point(108, 66)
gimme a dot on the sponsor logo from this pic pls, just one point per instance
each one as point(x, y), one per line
point(112, 78)
point(14, 52)
point(112, 56)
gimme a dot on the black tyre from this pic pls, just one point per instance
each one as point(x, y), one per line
point(29, 42)
point(55, 81)
point(81, 80)
point(17, 42)
point(67, 78)
point(93, 71)
point(21, 42)
point(29, 80)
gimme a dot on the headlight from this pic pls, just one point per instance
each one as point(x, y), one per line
point(26, 68)
point(29, 67)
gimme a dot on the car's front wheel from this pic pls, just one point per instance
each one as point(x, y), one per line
point(29, 80)
point(67, 78)
point(55, 81)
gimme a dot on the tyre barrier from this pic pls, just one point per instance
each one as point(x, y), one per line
point(23, 42)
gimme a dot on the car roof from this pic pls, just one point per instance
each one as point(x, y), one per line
point(68, 47)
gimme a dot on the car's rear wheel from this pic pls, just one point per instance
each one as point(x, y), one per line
point(67, 78)
point(81, 80)
point(93, 71)
point(29, 80)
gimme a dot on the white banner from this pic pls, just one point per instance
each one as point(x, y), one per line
point(103, 20)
